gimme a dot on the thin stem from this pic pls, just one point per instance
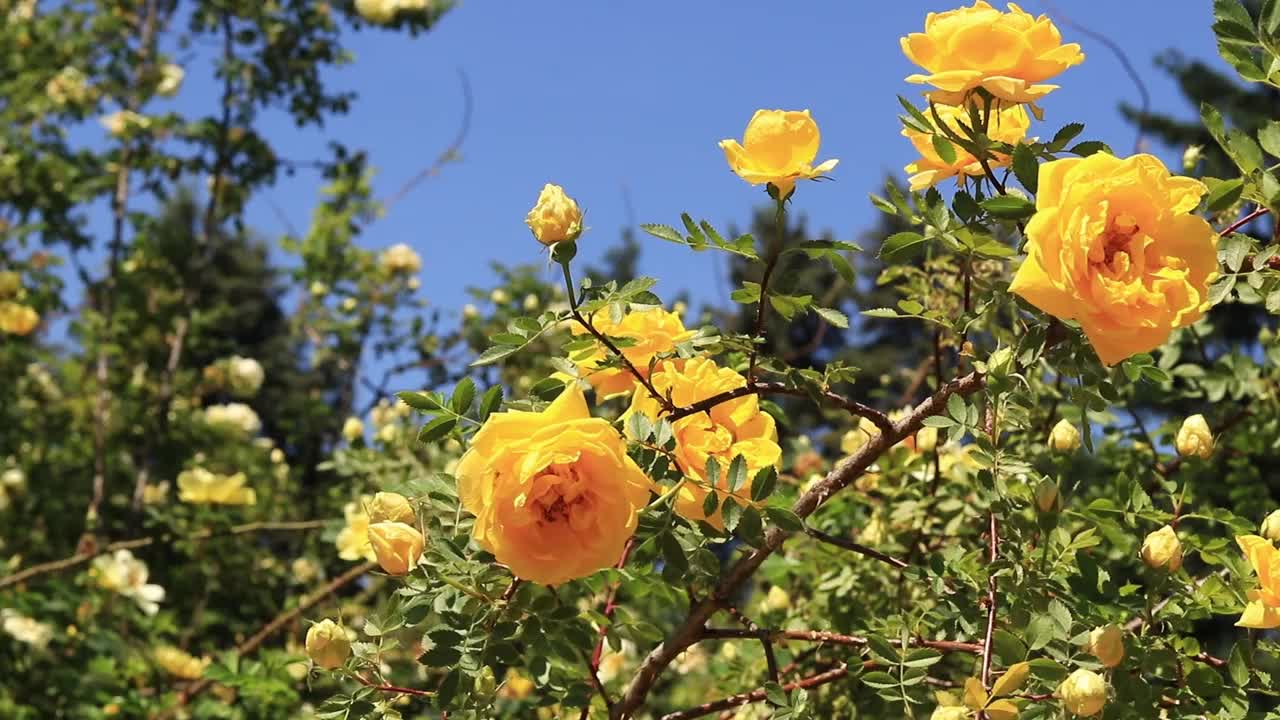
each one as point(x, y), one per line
point(993, 552)
point(779, 224)
point(855, 547)
point(610, 606)
point(1257, 213)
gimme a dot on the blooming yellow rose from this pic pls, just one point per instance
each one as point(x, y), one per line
point(555, 218)
point(180, 664)
point(654, 331)
point(779, 147)
point(1194, 438)
point(1083, 693)
point(1162, 549)
point(17, 319)
point(1263, 610)
point(1008, 54)
point(555, 495)
point(353, 540)
point(1107, 644)
point(1009, 125)
point(327, 644)
point(199, 486)
point(1113, 245)
point(391, 507)
point(732, 428)
point(396, 545)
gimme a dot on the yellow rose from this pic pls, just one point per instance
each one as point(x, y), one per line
point(1083, 693)
point(1064, 437)
point(1047, 498)
point(353, 540)
point(516, 686)
point(122, 122)
point(1008, 54)
point(555, 217)
point(391, 507)
point(555, 495)
point(170, 80)
point(17, 319)
point(1194, 438)
point(1162, 549)
point(200, 486)
point(327, 644)
point(397, 546)
point(399, 259)
point(378, 12)
point(1263, 609)
point(180, 664)
point(1270, 528)
point(1009, 125)
point(1107, 644)
point(778, 147)
point(352, 429)
point(736, 427)
point(776, 599)
point(1113, 245)
point(654, 331)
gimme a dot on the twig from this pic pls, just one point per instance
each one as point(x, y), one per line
point(779, 218)
point(392, 688)
point(1257, 213)
point(840, 477)
point(450, 153)
point(772, 388)
point(755, 696)
point(855, 547)
point(993, 553)
point(610, 606)
point(833, 638)
point(763, 635)
point(84, 557)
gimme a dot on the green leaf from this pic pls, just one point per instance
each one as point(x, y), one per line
point(737, 473)
point(946, 151)
point(901, 246)
point(789, 305)
point(763, 484)
point(1088, 147)
point(494, 354)
point(776, 696)
point(1223, 193)
point(672, 553)
point(747, 294)
point(1065, 135)
point(1234, 250)
point(1009, 207)
point(491, 401)
point(1026, 168)
point(750, 527)
point(665, 232)
point(418, 400)
point(437, 429)
point(834, 317)
point(784, 519)
point(1269, 135)
point(463, 395)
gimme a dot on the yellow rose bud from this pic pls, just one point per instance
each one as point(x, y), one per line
point(1114, 246)
point(778, 148)
point(951, 712)
point(319, 289)
point(396, 545)
point(1191, 157)
point(777, 599)
point(1107, 644)
point(170, 80)
point(1047, 497)
point(349, 304)
point(1162, 549)
point(926, 439)
point(17, 319)
point(1083, 693)
point(531, 302)
point(499, 297)
point(1008, 54)
point(1271, 526)
point(391, 507)
point(327, 644)
point(1064, 437)
point(1194, 438)
point(10, 283)
point(555, 218)
point(352, 429)
point(470, 312)
point(277, 456)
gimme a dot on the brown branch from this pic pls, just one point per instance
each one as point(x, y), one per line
point(610, 606)
point(840, 477)
point(278, 622)
point(1257, 213)
point(644, 380)
point(755, 696)
point(833, 638)
point(84, 557)
point(772, 388)
point(450, 153)
point(392, 688)
point(855, 547)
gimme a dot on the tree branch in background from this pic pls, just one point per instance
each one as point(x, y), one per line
point(451, 153)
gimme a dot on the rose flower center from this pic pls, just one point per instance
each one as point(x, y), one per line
point(1114, 250)
point(559, 494)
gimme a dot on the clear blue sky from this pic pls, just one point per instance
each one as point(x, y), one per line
point(602, 96)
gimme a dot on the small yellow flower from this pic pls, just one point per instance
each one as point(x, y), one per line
point(378, 12)
point(180, 664)
point(516, 686)
point(400, 259)
point(470, 312)
point(555, 217)
point(1270, 528)
point(122, 122)
point(1007, 54)
point(653, 330)
point(396, 545)
point(1194, 438)
point(200, 487)
point(778, 147)
point(1009, 125)
point(1064, 437)
point(1162, 549)
point(17, 319)
point(1083, 693)
point(352, 429)
point(926, 439)
point(777, 599)
point(1263, 609)
point(1107, 644)
point(170, 80)
point(327, 644)
point(499, 297)
point(391, 507)
point(353, 540)
point(1047, 497)
point(245, 375)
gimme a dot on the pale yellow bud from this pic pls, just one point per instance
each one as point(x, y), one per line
point(499, 297)
point(1107, 644)
point(1162, 549)
point(396, 545)
point(777, 599)
point(1271, 527)
point(319, 289)
point(327, 644)
point(531, 302)
point(349, 304)
point(926, 439)
point(1194, 438)
point(378, 12)
point(352, 429)
point(1191, 157)
point(170, 80)
point(1047, 497)
point(277, 456)
point(1083, 693)
point(1064, 437)
point(555, 218)
point(391, 507)
point(470, 311)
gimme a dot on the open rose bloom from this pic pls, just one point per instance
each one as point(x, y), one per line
point(1114, 246)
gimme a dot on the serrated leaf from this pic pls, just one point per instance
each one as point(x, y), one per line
point(1026, 168)
point(1009, 207)
point(901, 246)
point(665, 232)
point(494, 354)
point(418, 400)
point(1065, 134)
point(788, 306)
point(1088, 147)
point(737, 474)
point(437, 429)
point(490, 402)
point(784, 519)
point(946, 151)
point(747, 294)
point(832, 316)
point(763, 484)
point(672, 553)
point(1223, 193)
point(463, 395)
